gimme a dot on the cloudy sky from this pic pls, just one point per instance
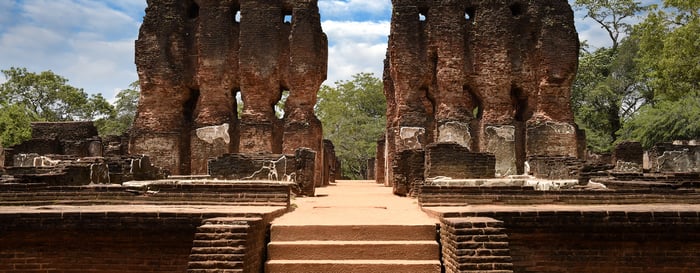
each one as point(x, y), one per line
point(91, 42)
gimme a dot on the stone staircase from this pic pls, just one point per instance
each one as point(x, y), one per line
point(226, 245)
point(353, 249)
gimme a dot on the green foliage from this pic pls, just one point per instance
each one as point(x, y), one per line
point(669, 50)
point(50, 97)
point(607, 90)
point(353, 114)
point(647, 86)
point(666, 121)
point(125, 111)
point(27, 97)
point(669, 57)
point(14, 124)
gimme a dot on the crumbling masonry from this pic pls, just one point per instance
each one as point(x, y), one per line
point(195, 56)
point(492, 76)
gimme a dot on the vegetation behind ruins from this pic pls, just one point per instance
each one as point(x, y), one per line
point(353, 114)
point(646, 85)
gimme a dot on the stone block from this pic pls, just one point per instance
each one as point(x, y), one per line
point(499, 140)
point(668, 157)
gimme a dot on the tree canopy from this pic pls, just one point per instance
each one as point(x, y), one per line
point(27, 97)
point(124, 112)
point(353, 114)
point(632, 89)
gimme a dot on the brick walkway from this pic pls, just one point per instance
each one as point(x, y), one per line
point(355, 202)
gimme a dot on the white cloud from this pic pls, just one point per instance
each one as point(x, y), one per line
point(6, 13)
point(354, 9)
point(88, 42)
point(355, 47)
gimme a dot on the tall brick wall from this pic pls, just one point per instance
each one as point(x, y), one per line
point(493, 76)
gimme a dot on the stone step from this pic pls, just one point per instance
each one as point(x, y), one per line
point(208, 228)
point(215, 265)
point(216, 257)
point(219, 236)
point(354, 250)
point(423, 232)
point(352, 266)
point(215, 250)
point(217, 243)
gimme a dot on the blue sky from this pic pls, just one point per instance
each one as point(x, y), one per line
point(91, 42)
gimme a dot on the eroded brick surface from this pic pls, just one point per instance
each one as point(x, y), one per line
point(493, 76)
point(195, 57)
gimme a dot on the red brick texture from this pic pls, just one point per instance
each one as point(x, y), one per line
point(163, 192)
point(132, 242)
point(590, 241)
point(474, 244)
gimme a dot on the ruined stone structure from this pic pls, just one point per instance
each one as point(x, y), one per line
point(72, 153)
point(492, 76)
point(195, 56)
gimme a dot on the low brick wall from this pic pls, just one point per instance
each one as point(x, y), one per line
point(456, 161)
point(452, 195)
point(194, 192)
point(608, 240)
point(123, 242)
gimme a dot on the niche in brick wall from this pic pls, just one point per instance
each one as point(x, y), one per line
point(192, 10)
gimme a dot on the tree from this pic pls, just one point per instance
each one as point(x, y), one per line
point(607, 90)
point(353, 114)
point(669, 49)
point(666, 121)
point(124, 112)
point(50, 97)
point(28, 96)
point(14, 124)
point(611, 15)
point(669, 61)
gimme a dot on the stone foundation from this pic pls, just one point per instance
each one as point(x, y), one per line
point(298, 168)
point(668, 157)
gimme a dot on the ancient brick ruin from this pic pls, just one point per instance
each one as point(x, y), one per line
point(195, 57)
point(71, 153)
point(492, 76)
point(480, 91)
